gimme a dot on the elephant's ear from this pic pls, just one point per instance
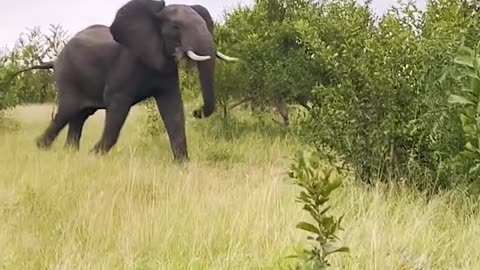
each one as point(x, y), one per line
point(203, 12)
point(136, 27)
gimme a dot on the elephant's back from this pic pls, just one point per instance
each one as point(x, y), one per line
point(87, 58)
point(95, 34)
point(92, 47)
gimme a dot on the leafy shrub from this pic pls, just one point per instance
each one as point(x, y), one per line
point(35, 86)
point(375, 88)
point(318, 181)
point(467, 162)
point(386, 111)
point(32, 86)
point(8, 99)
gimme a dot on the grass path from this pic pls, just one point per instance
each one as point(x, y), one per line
point(227, 209)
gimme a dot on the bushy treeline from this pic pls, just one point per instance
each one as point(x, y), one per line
point(32, 48)
point(376, 88)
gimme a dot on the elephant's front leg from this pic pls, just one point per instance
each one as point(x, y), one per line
point(115, 117)
point(170, 105)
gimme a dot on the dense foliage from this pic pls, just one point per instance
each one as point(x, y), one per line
point(467, 72)
point(35, 86)
point(375, 89)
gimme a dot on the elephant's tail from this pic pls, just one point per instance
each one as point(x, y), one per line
point(47, 65)
point(43, 66)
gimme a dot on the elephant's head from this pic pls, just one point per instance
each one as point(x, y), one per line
point(158, 34)
point(205, 14)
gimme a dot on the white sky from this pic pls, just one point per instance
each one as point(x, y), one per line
point(17, 16)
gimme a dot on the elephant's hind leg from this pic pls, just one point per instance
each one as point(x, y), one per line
point(75, 127)
point(66, 111)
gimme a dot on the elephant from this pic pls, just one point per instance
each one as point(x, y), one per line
point(136, 57)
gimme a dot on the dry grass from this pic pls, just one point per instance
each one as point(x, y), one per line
point(227, 209)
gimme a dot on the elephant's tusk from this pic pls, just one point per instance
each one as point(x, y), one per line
point(226, 57)
point(196, 57)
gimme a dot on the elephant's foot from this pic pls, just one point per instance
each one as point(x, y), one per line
point(179, 151)
point(98, 149)
point(101, 148)
point(43, 143)
point(181, 159)
point(72, 145)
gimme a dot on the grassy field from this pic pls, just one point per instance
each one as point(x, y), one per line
point(229, 208)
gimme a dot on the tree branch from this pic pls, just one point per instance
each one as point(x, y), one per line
point(238, 103)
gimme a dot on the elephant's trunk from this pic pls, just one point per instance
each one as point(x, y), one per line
point(200, 47)
point(206, 74)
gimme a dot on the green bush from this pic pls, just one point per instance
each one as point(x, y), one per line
point(387, 113)
point(376, 88)
point(35, 86)
point(467, 71)
point(317, 181)
point(8, 98)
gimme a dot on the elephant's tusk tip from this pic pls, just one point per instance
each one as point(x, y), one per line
point(226, 57)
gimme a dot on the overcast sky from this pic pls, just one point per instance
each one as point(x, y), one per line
point(17, 16)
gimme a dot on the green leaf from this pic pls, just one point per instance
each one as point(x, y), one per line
point(304, 196)
point(331, 187)
point(472, 74)
point(291, 257)
point(467, 89)
point(328, 173)
point(340, 219)
point(464, 60)
point(474, 169)
point(341, 249)
point(456, 99)
point(470, 147)
point(325, 210)
point(465, 119)
point(465, 50)
point(475, 63)
point(307, 227)
point(310, 209)
point(475, 86)
point(467, 154)
point(321, 201)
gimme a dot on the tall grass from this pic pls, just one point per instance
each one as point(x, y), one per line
point(229, 208)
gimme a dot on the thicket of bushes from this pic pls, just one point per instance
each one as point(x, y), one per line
point(31, 48)
point(375, 89)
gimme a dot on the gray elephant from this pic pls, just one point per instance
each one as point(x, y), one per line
point(114, 68)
